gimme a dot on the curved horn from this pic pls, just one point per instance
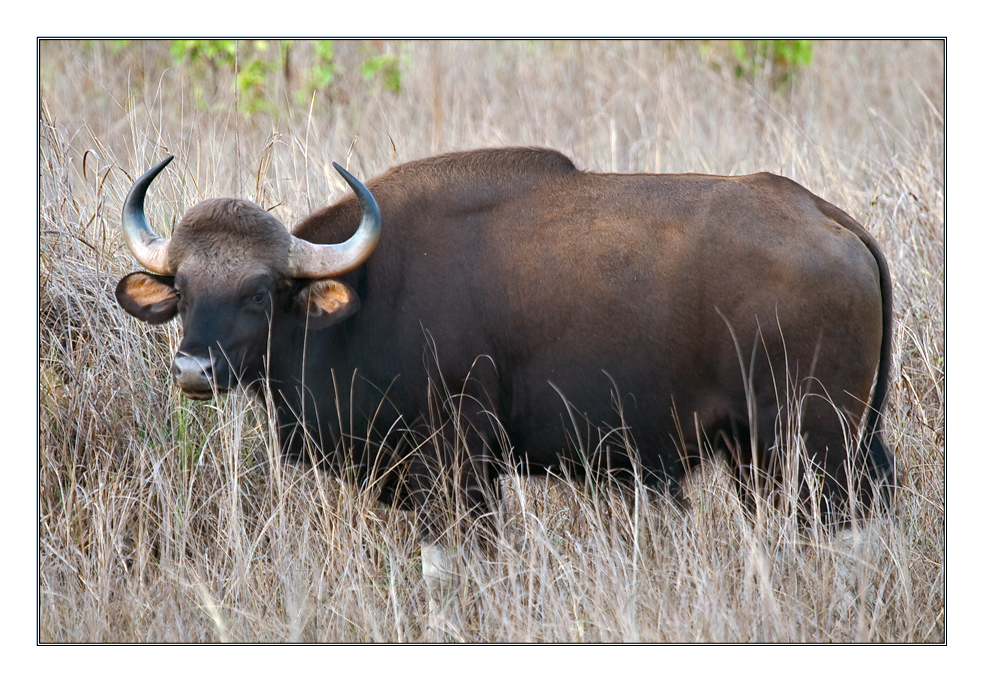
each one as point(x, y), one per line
point(147, 247)
point(308, 260)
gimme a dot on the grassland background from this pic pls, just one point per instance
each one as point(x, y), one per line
point(164, 520)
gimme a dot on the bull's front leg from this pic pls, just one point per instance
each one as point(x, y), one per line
point(454, 491)
point(443, 605)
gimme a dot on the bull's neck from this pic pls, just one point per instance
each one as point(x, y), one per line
point(304, 376)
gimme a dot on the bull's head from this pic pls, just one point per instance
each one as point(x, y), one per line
point(229, 269)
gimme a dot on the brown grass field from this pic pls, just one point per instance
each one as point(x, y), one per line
point(166, 520)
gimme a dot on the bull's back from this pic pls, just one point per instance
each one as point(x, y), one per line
point(635, 261)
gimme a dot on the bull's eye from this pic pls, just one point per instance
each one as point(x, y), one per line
point(259, 298)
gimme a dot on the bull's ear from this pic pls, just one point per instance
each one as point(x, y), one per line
point(326, 302)
point(151, 298)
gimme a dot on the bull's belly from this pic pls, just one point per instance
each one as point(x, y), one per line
point(593, 426)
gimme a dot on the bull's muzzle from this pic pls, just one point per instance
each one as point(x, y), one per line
point(195, 376)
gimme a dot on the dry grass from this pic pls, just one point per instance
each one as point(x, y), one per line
point(165, 520)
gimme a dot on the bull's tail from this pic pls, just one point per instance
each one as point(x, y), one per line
point(879, 459)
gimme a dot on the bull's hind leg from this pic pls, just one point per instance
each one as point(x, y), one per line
point(831, 487)
point(754, 458)
point(812, 460)
point(848, 474)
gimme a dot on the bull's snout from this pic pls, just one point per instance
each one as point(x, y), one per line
point(194, 376)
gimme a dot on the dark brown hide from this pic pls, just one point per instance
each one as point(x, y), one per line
point(593, 320)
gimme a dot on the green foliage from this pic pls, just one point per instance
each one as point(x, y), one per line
point(785, 55)
point(249, 64)
point(776, 60)
point(385, 67)
point(321, 74)
point(251, 84)
point(324, 70)
point(248, 61)
point(214, 52)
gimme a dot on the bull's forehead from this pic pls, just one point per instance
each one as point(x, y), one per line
point(220, 237)
point(220, 279)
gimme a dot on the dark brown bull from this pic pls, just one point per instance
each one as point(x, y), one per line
point(516, 307)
